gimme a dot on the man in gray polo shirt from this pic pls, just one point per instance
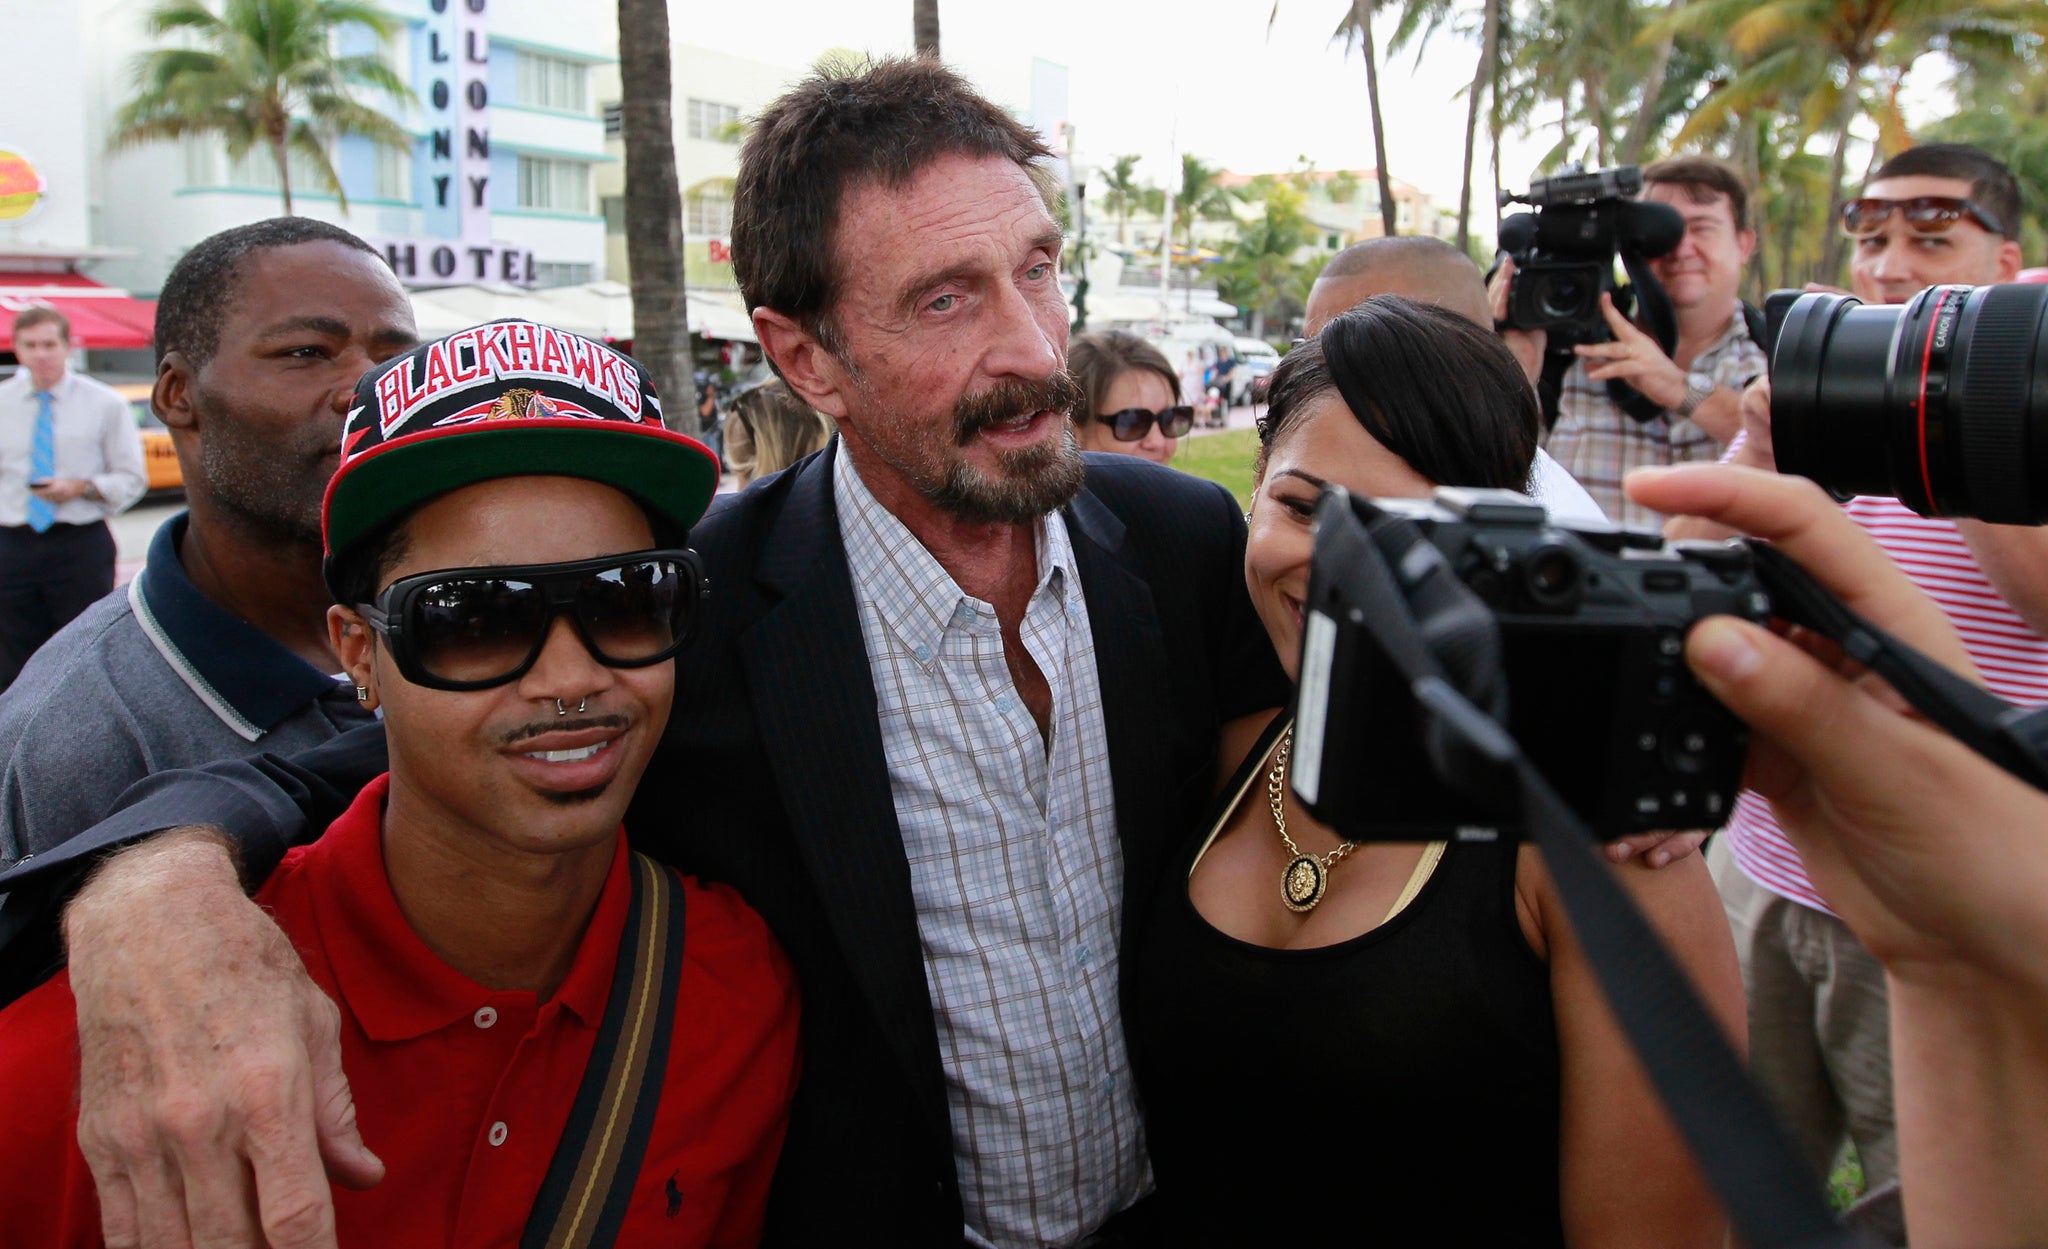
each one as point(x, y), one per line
point(219, 648)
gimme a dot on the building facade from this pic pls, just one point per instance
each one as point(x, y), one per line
point(716, 96)
point(499, 185)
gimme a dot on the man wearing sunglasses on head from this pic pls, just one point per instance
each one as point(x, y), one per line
point(544, 1030)
point(1819, 1031)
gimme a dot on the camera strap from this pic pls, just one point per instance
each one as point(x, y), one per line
point(2014, 738)
point(1771, 1195)
point(1657, 318)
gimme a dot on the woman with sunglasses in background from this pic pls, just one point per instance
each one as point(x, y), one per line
point(1412, 1050)
point(1133, 397)
point(512, 589)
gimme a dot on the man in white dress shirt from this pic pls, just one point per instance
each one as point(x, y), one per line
point(70, 456)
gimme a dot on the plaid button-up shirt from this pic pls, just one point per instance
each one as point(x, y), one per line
point(1598, 443)
point(1016, 873)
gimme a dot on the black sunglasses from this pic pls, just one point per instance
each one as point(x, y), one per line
point(473, 628)
point(1131, 424)
point(1924, 214)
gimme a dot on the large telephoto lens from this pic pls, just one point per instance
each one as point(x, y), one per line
point(1939, 402)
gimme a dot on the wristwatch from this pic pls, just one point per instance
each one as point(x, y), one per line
point(1698, 386)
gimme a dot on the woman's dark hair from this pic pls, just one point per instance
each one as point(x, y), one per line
point(1434, 388)
point(1096, 360)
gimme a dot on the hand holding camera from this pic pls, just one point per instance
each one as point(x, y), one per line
point(1928, 851)
point(1634, 357)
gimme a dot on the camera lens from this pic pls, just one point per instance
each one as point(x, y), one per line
point(1562, 296)
point(1941, 402)
point(1550, 574)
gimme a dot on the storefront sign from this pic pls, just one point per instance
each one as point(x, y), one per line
point(457, 170)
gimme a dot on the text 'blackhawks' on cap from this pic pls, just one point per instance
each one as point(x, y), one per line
point(508, 399)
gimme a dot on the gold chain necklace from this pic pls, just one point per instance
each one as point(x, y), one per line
point(1306, 876)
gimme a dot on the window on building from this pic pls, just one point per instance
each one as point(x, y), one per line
point(554, 185)
point(614, 209)
point(561, 273)
point(716, 122)
point(708, 212)
point(394, 173)
point(614, 120)
point(552, 82)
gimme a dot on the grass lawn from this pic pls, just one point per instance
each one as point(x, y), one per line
point(1224, 458)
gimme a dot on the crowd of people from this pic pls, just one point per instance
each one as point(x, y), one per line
point(465, 830)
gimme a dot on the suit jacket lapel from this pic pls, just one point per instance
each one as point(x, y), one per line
point(1130, 658)
point(815, 700)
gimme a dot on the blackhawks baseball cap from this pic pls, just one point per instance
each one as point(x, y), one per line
point(508, 399)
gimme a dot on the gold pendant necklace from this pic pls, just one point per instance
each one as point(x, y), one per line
point(1306, 876)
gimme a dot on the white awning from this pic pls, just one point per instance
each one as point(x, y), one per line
point(601, 310)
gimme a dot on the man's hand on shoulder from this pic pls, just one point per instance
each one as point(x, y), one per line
point(208, 1059)
point(1634, 357)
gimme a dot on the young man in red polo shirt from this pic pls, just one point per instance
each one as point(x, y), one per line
point(551, 1040)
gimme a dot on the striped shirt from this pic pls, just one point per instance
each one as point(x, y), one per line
point(1598, 443)
point(2012, 658)
point(1016, 873)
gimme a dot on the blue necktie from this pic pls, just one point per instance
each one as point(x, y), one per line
point(42, 464)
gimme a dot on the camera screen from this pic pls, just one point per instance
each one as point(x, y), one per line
point(1565, 683)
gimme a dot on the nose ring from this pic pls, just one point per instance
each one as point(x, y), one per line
point(560, 710)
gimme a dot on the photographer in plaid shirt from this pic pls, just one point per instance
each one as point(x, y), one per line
point(1699, 386)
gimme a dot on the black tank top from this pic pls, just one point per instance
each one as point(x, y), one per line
point(1400, 1088)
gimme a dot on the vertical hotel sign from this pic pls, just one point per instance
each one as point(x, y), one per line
point(455, 63)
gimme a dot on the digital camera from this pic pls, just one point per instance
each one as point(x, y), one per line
point(1571, 637)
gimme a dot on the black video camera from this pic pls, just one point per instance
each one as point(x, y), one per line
point(1573, 638)
point(1940, 402)
point(1564, 252)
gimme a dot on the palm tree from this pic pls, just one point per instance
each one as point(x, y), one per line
point(654, 209)
point(1200, 197)
point(264, 73)
point(1125, 194)
point(1663, 41)
point(1419, 20)
point(924, 27)
point(1357, 24)
point(1844, 58)
point(1260, 271)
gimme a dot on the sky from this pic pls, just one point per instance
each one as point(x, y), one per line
point(1200, 76)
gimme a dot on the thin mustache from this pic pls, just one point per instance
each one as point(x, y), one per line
point(538, 727)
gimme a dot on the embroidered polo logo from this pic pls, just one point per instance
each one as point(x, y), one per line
point(675, 1195)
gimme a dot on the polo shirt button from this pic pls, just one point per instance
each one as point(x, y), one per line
point(486, 1016)
point(498, 1132)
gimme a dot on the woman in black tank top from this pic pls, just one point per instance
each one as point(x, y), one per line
point(1419, 1055)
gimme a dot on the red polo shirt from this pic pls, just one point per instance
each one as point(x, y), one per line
point(461, 1090)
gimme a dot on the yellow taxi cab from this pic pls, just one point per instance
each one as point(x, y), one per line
point(164, 474)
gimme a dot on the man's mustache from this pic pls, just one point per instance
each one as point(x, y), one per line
point(1008, 400)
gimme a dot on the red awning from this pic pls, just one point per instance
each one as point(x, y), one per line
point(102, 317)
